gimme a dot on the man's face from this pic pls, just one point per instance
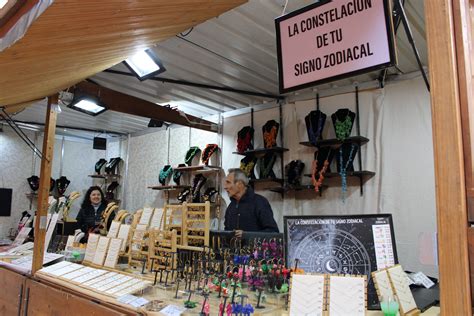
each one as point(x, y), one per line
point(232, 189)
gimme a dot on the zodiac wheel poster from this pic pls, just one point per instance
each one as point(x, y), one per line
point(353, 244)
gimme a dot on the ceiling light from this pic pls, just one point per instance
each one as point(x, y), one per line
point(88, 105)
point(3, 3)
point(145, 64)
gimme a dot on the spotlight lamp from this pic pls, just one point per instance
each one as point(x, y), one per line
point(145, 64)
point(88, 105)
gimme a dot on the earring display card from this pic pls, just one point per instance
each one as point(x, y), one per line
point(94, 281)
point(146, 215)
point(92, 275)
point(65, 270)
point(123, 234)
point(382, 284)
point(156, 219)
point(101, 251)
point(91, 247)
point(113, 230)
point(306, 295)
point(347, 295)
point(401, 287)
point(77, 273)
point(113, 253)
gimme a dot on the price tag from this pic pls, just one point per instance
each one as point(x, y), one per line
point(172, 310)
point(421, 278)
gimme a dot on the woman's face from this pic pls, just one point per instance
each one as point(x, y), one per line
point(95, 197)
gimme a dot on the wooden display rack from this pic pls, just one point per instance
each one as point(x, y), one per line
point(162, 245)
point(195, 224)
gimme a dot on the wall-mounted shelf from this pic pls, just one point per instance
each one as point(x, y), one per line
point(274, 180)
point(262, 151)
point(304, 187)
point(362, 175)
point(104, 176)
point(169, 187)
point(334, 142)
point(199, 169)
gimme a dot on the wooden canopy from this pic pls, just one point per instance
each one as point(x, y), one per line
point(73, 40)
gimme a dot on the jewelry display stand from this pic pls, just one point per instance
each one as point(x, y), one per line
point(111, 177)
point(347, 295)
point(401, 288)
point(343, 121)
point(270, 152)
point(307, 294)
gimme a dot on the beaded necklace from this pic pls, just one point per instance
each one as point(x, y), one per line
point(208, 152)
point(314, 132)
point(269, 137)
point(190, 154)
point(266, 165)
point(343, 128)
point(164, 174)
point(343, 168)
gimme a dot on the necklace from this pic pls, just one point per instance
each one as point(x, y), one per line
point(343, 168)
point(192, 152)
point(266, 166)
point(164, 174)
point(269, 138)
point(343, 128)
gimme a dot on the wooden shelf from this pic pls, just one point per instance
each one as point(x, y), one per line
point(202, 168)
point(262, 151)
point(104, 176)
point(169, 187)
point(360, 140)
point(303, 187)
point(275, 180)
point(364, 175)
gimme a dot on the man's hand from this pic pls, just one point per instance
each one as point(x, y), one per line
point(238, 233)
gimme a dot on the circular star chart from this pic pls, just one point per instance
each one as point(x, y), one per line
point(333, 251)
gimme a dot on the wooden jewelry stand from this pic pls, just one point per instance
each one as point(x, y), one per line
point(195, 225)
point(111, 207)
point(162, 245)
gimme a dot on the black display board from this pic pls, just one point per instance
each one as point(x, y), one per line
point(5, 202)
point(352, 244)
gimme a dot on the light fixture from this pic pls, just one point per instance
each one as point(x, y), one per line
point(145, 64)
point(3, 3)
point(87, 104)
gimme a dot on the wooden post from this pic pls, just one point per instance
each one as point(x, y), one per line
point(449, 157)
point(45, 176)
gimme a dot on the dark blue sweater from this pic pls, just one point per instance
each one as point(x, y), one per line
point(252, 213)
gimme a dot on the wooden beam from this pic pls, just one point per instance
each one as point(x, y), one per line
point(449, 163)
point(45, 176)
point(124, 103)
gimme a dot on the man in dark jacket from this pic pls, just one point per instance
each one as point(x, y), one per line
point(247, 211)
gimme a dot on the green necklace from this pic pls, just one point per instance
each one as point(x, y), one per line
point(343, 129)
point(191, 153)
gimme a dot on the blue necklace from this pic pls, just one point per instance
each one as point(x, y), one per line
point(343, 169)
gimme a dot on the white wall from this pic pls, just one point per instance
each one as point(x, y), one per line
point(17, 163)
point(397, 120)
point(149, 153)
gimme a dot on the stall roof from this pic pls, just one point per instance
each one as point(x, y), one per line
point(235, 50)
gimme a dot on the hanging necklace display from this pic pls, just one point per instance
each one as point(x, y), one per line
point(33, 182)
point(343, 119)
point(112, 165)
point(190, 154)
point(165, 173)
point(177, 174)
point(244, 139)
point(270, 132)
point(52, 183)
point(346, 155)
point(320, 165)
point(208, 152)
point(109, 194)
point(266, 166)
point(61, 184)
point(293, 172)
point(247, 165)
point(315, 121)
point(99, 164)
point(198, 182)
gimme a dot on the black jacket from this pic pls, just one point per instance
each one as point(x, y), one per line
point(252, 213)
point(87, 217)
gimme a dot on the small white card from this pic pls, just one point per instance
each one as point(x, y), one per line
point(101, 251)
point(306, 295)
point(113, 230)
point(146, 215)
point(132, 300)
point(91, 247)
point(156, 219)
point(113, 253)
point(172, 310)
point(421, 279)
point(123, 234)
